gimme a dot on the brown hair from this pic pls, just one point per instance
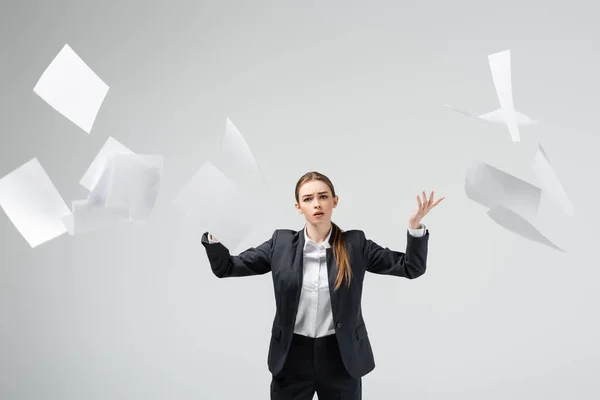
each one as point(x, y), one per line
point(339, 244)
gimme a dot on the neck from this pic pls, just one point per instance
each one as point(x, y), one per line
point(318, 233)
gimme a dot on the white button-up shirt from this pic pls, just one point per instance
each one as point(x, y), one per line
point(315, 318)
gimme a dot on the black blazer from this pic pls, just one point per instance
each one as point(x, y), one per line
point(282, 255)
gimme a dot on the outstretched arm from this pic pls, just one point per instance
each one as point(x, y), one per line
point(411, 264)
point(254, 261)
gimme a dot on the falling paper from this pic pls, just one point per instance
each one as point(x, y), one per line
point(492, 187)
point(512, 202)
point(124, 186)
point(88, 217)
point(549, 181)
point(237, 162)
point(111, 147)
point(134, 185)
point(500, 66)
point(220, 205)
point(70, 87)
point(496, 116)
point(519, 225)
point(33, 204)
point(129, 185)
point(99, 192)
point(501, 75)
point(265, 226)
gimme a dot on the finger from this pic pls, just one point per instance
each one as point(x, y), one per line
point(431, 197)
point(424, 197)
point(419, 201)
point(438, 201)
point(427, 202)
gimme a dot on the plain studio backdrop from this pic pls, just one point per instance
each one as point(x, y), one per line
point(355, 90)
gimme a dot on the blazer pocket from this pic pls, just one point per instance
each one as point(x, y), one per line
point(361, 332)
point(276, 332)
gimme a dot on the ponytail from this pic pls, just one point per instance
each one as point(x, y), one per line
point(341, 255)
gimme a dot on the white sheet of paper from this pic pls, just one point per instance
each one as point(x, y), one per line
point(134, 185)
point(220, 206)
point(99, 192)
point(549, 181)
point(86, 217)
point(501, 74)
point(519, 225)
point(512, 202)
point(70, 87)
point(492, 187)
point(236, 161)
point(126, 190)
point(497, 116)
point(33, 204)
point(111, 147)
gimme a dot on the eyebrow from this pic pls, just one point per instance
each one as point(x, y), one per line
point(325, 192)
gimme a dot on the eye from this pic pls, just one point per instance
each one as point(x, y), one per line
point(306, 199)
point(324, 196)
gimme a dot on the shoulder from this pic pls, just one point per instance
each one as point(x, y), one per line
point(356, 236)
point(354, 232)
point(286, 234)
point(355, 240)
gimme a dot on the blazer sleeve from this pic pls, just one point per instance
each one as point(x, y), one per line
point(253, 261)
point(384, 261)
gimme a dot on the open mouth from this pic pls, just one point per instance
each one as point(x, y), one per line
point(318, 214)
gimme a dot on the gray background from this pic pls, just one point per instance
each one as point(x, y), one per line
point(356, 91)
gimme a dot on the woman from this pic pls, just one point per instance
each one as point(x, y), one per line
point(319, 341)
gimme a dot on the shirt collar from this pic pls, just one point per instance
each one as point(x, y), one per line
point(325, 243)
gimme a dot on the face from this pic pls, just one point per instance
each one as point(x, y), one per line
point(316, 202)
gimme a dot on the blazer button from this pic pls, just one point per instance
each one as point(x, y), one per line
point(339, 325)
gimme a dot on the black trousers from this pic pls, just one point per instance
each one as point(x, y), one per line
point(315, 365)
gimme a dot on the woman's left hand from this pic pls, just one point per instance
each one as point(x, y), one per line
point(424, 207)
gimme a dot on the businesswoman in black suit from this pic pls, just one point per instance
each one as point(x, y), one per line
point(319, 341)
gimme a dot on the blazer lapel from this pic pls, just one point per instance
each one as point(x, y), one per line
point(298, 265)
point(332, 270)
